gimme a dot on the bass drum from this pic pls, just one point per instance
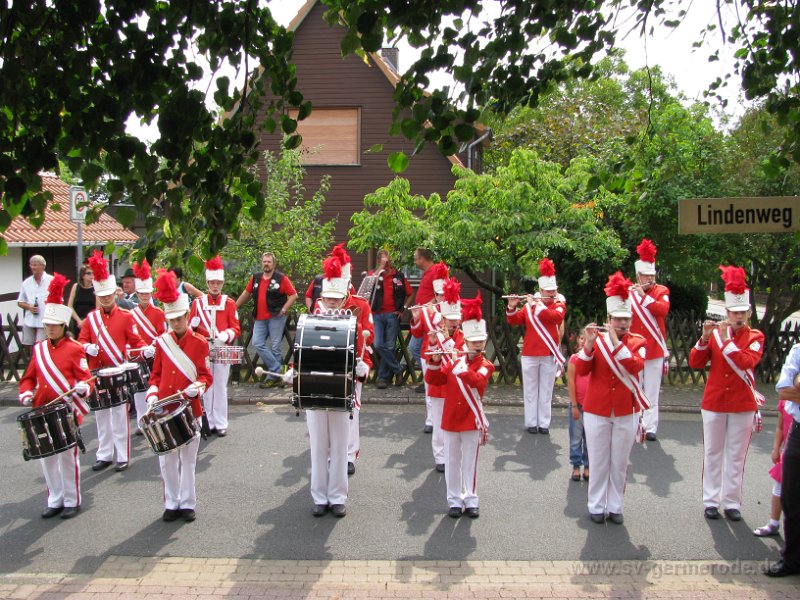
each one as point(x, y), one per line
point(325, 361)
point(47, 430)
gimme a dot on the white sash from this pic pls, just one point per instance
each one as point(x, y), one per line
point(144, 323)
point(649, 322)
point(177, 356)
point(473, 399)
point(548, 340)
point(51, 373)
point(747, 376)
point(104, 338)
point(208, 314)
point(429, 319)
point(628, 380)
point(446, 346)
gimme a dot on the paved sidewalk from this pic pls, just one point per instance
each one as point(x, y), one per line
point(175, 578)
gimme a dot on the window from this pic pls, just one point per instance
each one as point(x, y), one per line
point(330, 136)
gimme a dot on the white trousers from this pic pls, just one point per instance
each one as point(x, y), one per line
point(651, 380)
point(538, 378)
point(215, 399)
point(113, 433)
point(177, 471)
point(140, 401)
point(62, 473)
point(726, 437)
point(461, 468)
point(609, 441)
point(354, 429)
point(328, 432)
point(428, 407)
point(437, 439)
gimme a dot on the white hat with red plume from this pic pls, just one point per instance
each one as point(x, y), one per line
point(142, 279)
point(646, 265)
point(450, 307)
point(737, 295)
point(440, 274)
point(104, 284)
point(618, 296)
point(547, 275)
point(215, 270)
point(175, 303)
point(55, 311)
point(473, 325)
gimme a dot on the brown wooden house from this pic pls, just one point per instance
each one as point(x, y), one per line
point(352, 111)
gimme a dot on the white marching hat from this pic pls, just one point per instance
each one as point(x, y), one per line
point(616, 306)
point(104, 283)
point(173, 310)
point(450, 310)
point(646, 265)
point(547, 275)
point(474, 331)
point(618, 299)
point(57, 314)
point(335, 287)
point(215, 271)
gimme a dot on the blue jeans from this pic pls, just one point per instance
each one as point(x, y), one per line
point(415, 346)
point(387, 326)
point(578, 454)
point(272, 329)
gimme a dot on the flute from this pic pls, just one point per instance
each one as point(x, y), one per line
point(416, 306)
point(519, 296)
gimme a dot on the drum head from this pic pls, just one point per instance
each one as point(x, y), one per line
point(128, 366)
point(41, 411)
point(111, 371)
point(164, 411)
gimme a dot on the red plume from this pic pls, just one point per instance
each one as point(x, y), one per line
point(618, 285)
point(99, 266)
point(440, 271)
point(734, 278)
point(166, 287)
point(547, 268)
point(215, 264)
point(471, 308)
point(647, 251)
point(56, 290)
point(141, 271)
point(332, 267)
point(340, 253)
point(452, 290)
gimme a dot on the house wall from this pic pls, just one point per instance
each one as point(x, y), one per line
point(11, 276)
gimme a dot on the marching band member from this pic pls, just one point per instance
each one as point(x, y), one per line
point(215, 317)
point(730, 400)
point(105, 334)
point(444, 340)
point(425, 320)
point(149, 318)
point(542, 359)
point(613, 357)
point(58, 365)
point(650, 306)
point(180, 365)
point(463, 420)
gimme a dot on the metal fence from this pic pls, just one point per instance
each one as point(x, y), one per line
point(503, 348)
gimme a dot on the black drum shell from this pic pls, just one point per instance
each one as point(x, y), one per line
point(47, 431)
point(110, 390)
point(168, 426)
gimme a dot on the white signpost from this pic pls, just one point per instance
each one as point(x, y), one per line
point(78, 203)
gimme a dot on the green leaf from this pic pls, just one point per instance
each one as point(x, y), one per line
point(398, 161)
point(374, 149)
point(3, 247)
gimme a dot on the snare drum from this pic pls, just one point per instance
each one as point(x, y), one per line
point(136, 374)
point(324, 357)
point(226, 355)
point(47, 430)
point(169, 425)
point(111, 389)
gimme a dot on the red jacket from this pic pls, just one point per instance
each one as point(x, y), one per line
point(656, 302)
point(156, 322)
point(166, 379)
point(122, 328)
point(551, 317)
point(439, 391)
point(429, 319)
point(457, 415)
point(227, 317)
point(69, 358)
point(605, 391)
point(725, 391)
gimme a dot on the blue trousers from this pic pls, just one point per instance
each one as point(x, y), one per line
point(271, 329)
point(387, 326)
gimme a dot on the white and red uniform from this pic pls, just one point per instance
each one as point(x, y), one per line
point(463, 422)
point(429, 319)
point(728, 407)
point(335, 438)
point(540, 364)
point(150, 323)
point(611, 417)
point(437, 393)
point(651, 325)
point(219, 323)
point(166, 379)
point(54, 369)
point(112, 332)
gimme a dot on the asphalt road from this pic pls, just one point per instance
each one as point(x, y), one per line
point(254, 502)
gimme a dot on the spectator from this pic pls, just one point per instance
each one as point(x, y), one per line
point(423, 259)
point(32, 296)
point(126, 295)
point(576, 386)
point(386, 311)
point(313, 292)
point(81, 298)
point(274, 295)
point(781, 435)
point(185, 287)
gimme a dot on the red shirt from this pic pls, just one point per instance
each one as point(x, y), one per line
point(285, 288)
point(656, 302)
point(68, 357)
point(581, 382)
point(725, 391)
point(457, 414)
point(167, 379)
point(388, 285)
point(425, 291)
point(551, 317)
point(122, 329)
point(227, 317)
point(156, 322)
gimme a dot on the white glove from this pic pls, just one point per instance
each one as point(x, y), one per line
point(219, 341)
point(194, 322)
point(81, 388)
point(362, 369)
point(149, 352)
point(92, 349)
point(222, 336)
point(25, 399)
point(459, 367)
point(191, 391)
point(288, 376)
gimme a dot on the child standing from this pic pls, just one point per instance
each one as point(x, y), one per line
point(781, 433)
point(576, 385)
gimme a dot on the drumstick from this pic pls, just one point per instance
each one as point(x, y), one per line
point(69, 391)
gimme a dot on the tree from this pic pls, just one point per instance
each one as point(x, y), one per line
point(504, 222)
